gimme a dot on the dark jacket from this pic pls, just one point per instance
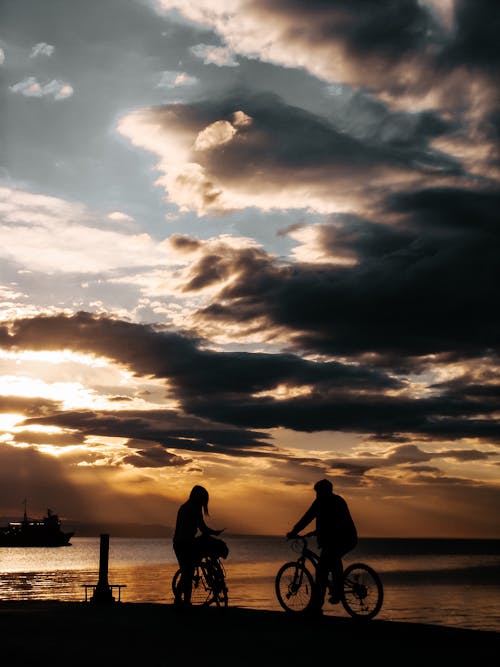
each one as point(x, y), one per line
point(334, 524)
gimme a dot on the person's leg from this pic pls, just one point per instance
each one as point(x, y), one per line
point(330, 561)
point(337, 569)
point(187, 581)
point(322, 578)
point(178, 590)
point(184, 556)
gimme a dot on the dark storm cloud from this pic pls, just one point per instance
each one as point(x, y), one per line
point(392, 31)
point(155, 457)
point(160, 426)
point(424, 285)
point(220, 387)
point(443, 419)
point(194, 371)
point(53, 439)
point(465, 455)
point(468, 386)
point(385, 28)
point(475, 42)
point(380, 36)
point(283, 136)
point(279, 149)
point(462, 212)
point(490, 125)
point(400, 47)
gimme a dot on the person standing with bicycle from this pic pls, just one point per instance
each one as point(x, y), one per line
point(336, 535)
point(189, 524)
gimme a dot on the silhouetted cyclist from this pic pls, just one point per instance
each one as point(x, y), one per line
point(186, 546)
point(336, 535)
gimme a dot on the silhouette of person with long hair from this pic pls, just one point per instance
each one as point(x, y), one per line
point(336, 535)
point(189, 524)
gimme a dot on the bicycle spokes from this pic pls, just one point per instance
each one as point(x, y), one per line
point(363, 592)
point(208, 584)
point(295, 583)
point(294, 586)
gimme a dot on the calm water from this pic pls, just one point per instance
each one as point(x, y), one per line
point(444, 582)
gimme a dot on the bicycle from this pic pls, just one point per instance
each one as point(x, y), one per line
point(295, 585)
point(209, 583)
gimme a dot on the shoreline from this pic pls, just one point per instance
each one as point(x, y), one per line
point(52, 632)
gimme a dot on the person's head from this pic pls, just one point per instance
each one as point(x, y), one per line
point(199, 495)
point(323, 488)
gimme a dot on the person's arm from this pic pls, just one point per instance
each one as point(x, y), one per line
point(303, 521)
point(206, 530)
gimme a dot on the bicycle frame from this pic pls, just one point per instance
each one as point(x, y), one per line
point(307, 553)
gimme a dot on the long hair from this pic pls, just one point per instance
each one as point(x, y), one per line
point(199, 495)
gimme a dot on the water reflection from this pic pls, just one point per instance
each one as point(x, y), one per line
point(455, 589)
point(252, 586)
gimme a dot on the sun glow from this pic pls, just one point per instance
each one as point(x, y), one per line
point(8, 420)
point(40, 428)
point(55, 357)
point(70, 394)
point(56, 452)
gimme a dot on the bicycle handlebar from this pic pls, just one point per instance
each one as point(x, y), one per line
point(300, 544)
point(302, 537)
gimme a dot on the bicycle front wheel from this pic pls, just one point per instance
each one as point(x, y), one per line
point(218, 579)
point(294, 587)
point(363, 591)
point(200, 592)
point(176, 581)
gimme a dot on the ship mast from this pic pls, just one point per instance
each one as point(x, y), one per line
point(25, 515)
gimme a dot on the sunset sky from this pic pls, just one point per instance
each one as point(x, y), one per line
point(250, 244)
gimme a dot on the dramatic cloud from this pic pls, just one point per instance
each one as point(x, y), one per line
point(425, 284)
point(410, 53)
point(280, 157)
point(404, 45)
point(255, 390)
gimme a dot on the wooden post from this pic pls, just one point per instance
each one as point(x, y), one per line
point(103, 593)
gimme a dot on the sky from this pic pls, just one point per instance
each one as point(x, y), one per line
point(251, 244)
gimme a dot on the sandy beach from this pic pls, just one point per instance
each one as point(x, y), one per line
point(80, 633)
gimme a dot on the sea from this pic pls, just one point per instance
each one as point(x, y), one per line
point(448, 582)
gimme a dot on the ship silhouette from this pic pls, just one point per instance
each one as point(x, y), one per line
point(46, 532)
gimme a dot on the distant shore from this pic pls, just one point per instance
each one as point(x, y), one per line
point(79, 633)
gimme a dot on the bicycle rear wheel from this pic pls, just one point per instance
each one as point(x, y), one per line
point(294, 587)
point(363, 591)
